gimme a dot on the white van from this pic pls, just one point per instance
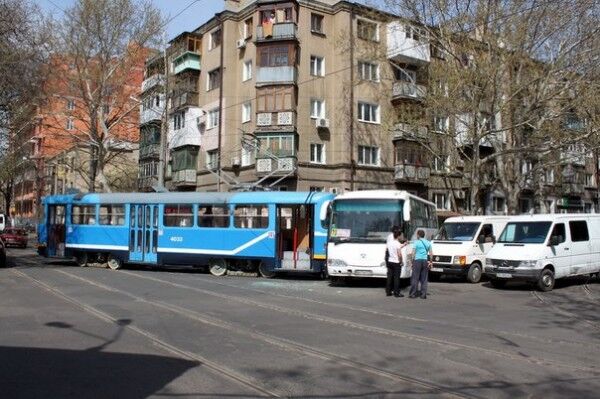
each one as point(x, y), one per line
point(461, 244)
point(541, 248)
point(2, 222)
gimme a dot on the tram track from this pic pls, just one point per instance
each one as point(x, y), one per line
point(547, 302)
point(181, 353)
point(445, 344)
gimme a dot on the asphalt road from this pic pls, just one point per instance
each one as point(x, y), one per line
point(69, 332)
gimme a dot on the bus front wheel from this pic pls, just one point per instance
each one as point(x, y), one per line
point(218, 267)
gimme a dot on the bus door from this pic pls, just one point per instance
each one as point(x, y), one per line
point(56, 230)
point(294, 236)
point(143, 233)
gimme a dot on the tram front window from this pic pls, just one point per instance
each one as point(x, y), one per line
point(364, 220)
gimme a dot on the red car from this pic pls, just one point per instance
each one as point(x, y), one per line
point(13, 237)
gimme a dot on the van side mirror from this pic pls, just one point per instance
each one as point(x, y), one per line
point(554, 241)
point(481, 239)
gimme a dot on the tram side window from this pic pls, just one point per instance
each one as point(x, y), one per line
point(177, 215)
point(213, 216)
point(251, 217)
point(83, 214)
point(112, 215)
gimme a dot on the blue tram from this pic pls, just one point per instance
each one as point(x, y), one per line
point(266, 232)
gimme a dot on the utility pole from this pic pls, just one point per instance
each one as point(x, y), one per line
point(164, 128)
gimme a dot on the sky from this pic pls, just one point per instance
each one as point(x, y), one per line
point(199, 11)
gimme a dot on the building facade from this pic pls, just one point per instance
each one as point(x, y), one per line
point(322, 95)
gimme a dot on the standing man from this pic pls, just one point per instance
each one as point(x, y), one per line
point(394, 265)
point(421, 265)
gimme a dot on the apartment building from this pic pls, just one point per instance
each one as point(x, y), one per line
point(314, 95)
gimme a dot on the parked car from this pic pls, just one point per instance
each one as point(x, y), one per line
point(13, 237)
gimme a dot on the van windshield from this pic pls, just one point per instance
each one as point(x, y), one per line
point(525, 232)
point(457, 231)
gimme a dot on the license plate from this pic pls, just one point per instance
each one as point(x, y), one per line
point(363, 272)
point(437, 269)
point(503, 275)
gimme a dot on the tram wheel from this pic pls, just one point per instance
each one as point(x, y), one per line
point(265, 271)
point(217, 267)
point(114, 263)
point(81, 259)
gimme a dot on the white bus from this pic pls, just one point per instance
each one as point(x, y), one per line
point(460, 246)
point(360, 223)
point(541, 248)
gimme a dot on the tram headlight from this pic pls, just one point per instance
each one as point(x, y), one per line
point(336, 263)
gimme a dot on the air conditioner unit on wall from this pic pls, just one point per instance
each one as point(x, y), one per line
point(322, 123)
point(241, 43)
point(235, 162)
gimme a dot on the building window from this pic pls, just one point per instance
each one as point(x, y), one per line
point(441, 163)
point(317, 153)
point(368, 112)
point(317, 66)
point(498, 204)
point(409, 153)
point(367, 30)
point(368, 155)
point(316, 189)
point(317, 109)
point(215, 39)
point(274, 99)
point(590, 180)
point(440, 124)
point(184, 158)
point(178, 215)
point(405, 75)
point(179, 120)
point(275, 56)
point(549, 176)
point(280, 146)
point(213, 118)
point(316, 23)
point(70, 124)
point(247, 156)
point(112, 215)
point(368, 71)
point(251, 217)
point(213, 216)
point(214, 79)
point(70, 105)
point(246, 112)
point(247, 71)
point(212, 159)
point(248, 28)
point(441, 201)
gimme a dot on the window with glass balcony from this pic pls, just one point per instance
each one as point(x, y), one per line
point(368, 155)
point(368, 71)
point(317, 66)
point(409, 153)
point(184, 158)
point(278, 145)
point(368, 112)
point(274, 99)
point(367, 30)
point(276, 55)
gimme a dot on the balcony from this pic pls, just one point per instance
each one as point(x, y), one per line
point(149, 150)
point(275, 120)
point(408, 173)
point(278, 75)
point(405, 131)
point(408, 90)
point(281, 31)
point(572, 189)
point(147, 182)
point(574, 155)
point(152, 82)
point(186, 99)
point(276, 167)
point(186, 177)
point(405, 49)
point(154, 113)
point(187, 60)
point(190, 134)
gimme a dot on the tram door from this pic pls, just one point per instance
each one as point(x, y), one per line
point(294, 236)
point(143, 233)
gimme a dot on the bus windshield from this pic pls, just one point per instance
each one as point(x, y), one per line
point(364, 219)
point(525, 232)
point(457, 231)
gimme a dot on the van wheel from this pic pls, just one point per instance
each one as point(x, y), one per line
point(497, 283)
point(217, 267)
point(337, 281)
point(81, 259)
point(546, 280)
point(265, 271)
point(474, 273)
point(114, 263)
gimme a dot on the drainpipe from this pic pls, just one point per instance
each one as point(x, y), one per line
point(352, 163)
point(219, 154)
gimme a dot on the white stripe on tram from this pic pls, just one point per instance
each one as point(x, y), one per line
point(94, 246)
point(215, 251)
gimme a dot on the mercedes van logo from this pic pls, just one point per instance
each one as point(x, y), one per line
point(437, 258)
point(363, 256)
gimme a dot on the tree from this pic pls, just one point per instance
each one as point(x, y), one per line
point(509, 74)
point(98, 65)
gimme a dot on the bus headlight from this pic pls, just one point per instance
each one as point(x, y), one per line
point(460, 260)
point(336, 263)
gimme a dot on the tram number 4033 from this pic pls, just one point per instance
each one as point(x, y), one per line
point(176, 239)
